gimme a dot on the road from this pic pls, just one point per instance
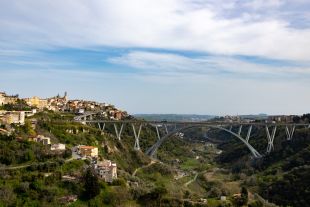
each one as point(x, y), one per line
point(30, 164)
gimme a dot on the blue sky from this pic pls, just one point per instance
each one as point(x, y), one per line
point(165, 56)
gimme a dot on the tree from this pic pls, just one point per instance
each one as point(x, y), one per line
point(91, 184)
point(242, 199)
point(244, 195)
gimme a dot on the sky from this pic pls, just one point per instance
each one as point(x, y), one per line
point(214, 57)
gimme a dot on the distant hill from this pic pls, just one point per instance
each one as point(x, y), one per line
point(254, 116)
point(174, 117)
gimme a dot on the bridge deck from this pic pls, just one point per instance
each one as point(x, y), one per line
point(206, 123)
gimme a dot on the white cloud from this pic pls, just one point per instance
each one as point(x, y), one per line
point(178, 65)
point(168, 24)
point(263, 4)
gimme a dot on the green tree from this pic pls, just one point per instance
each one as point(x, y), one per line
point(91, 184)
point(244, 195)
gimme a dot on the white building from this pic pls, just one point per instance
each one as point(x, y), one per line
point(13, 117)
point(2, 98)
point(223, 198)
point(42, 139)
point(58, 147)
point(81, 111)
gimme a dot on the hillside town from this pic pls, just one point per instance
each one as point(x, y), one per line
point(56, 103)
point(106, 169)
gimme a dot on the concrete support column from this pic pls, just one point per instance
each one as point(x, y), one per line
point(166, 129)
point(240, 130)
point(118, 133)
point(290, 132)
point(137, 136)
point(270, 138)
point(248, 134)
point(157, 131)
point(101, 127)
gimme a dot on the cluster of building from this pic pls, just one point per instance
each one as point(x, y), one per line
point(105, 169)
point(61, 103)
point(41, 139)
point(56, 103)
point(12, 117)
point(265, 118)
point(47, 141)
point(104, 110)
point(15, 117)
point(229, 118)
point(6, 99)
point(281, 118)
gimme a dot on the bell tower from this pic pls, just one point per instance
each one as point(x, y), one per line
point(65, 96)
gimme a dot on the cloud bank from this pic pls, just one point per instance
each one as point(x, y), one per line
point(170, 24)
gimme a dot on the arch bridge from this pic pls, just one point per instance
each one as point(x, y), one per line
point(165, 129)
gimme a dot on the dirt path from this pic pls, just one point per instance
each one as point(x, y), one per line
point(193, 180)
point(139, 168)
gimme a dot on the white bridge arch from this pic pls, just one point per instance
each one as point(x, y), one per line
point(225, 126)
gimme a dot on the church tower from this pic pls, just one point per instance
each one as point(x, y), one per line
point(65, 96)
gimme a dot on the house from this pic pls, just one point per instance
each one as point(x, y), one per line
point(203, 200)
point(223, 198)
point(13, 117)
point(88, 151)
point(2, 99)
point(42, 139)
point(68, 199)
point(5, 99)
point(69, 178)
point(58, 147)
point(118, 115)
point(106, 170)
point(81, 111)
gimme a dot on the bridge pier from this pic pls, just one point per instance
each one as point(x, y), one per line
point(174, 127)
point(248, 134)
point(270, 138)
point(137, 136)
point(290, 132)
point(240, 130)
point(157, 132)
point(166, 128)
point(118, 133)
point(101, 128)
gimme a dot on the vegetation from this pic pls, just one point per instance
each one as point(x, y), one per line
point(91, 184)
point(187, 172)
point(20, 105)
